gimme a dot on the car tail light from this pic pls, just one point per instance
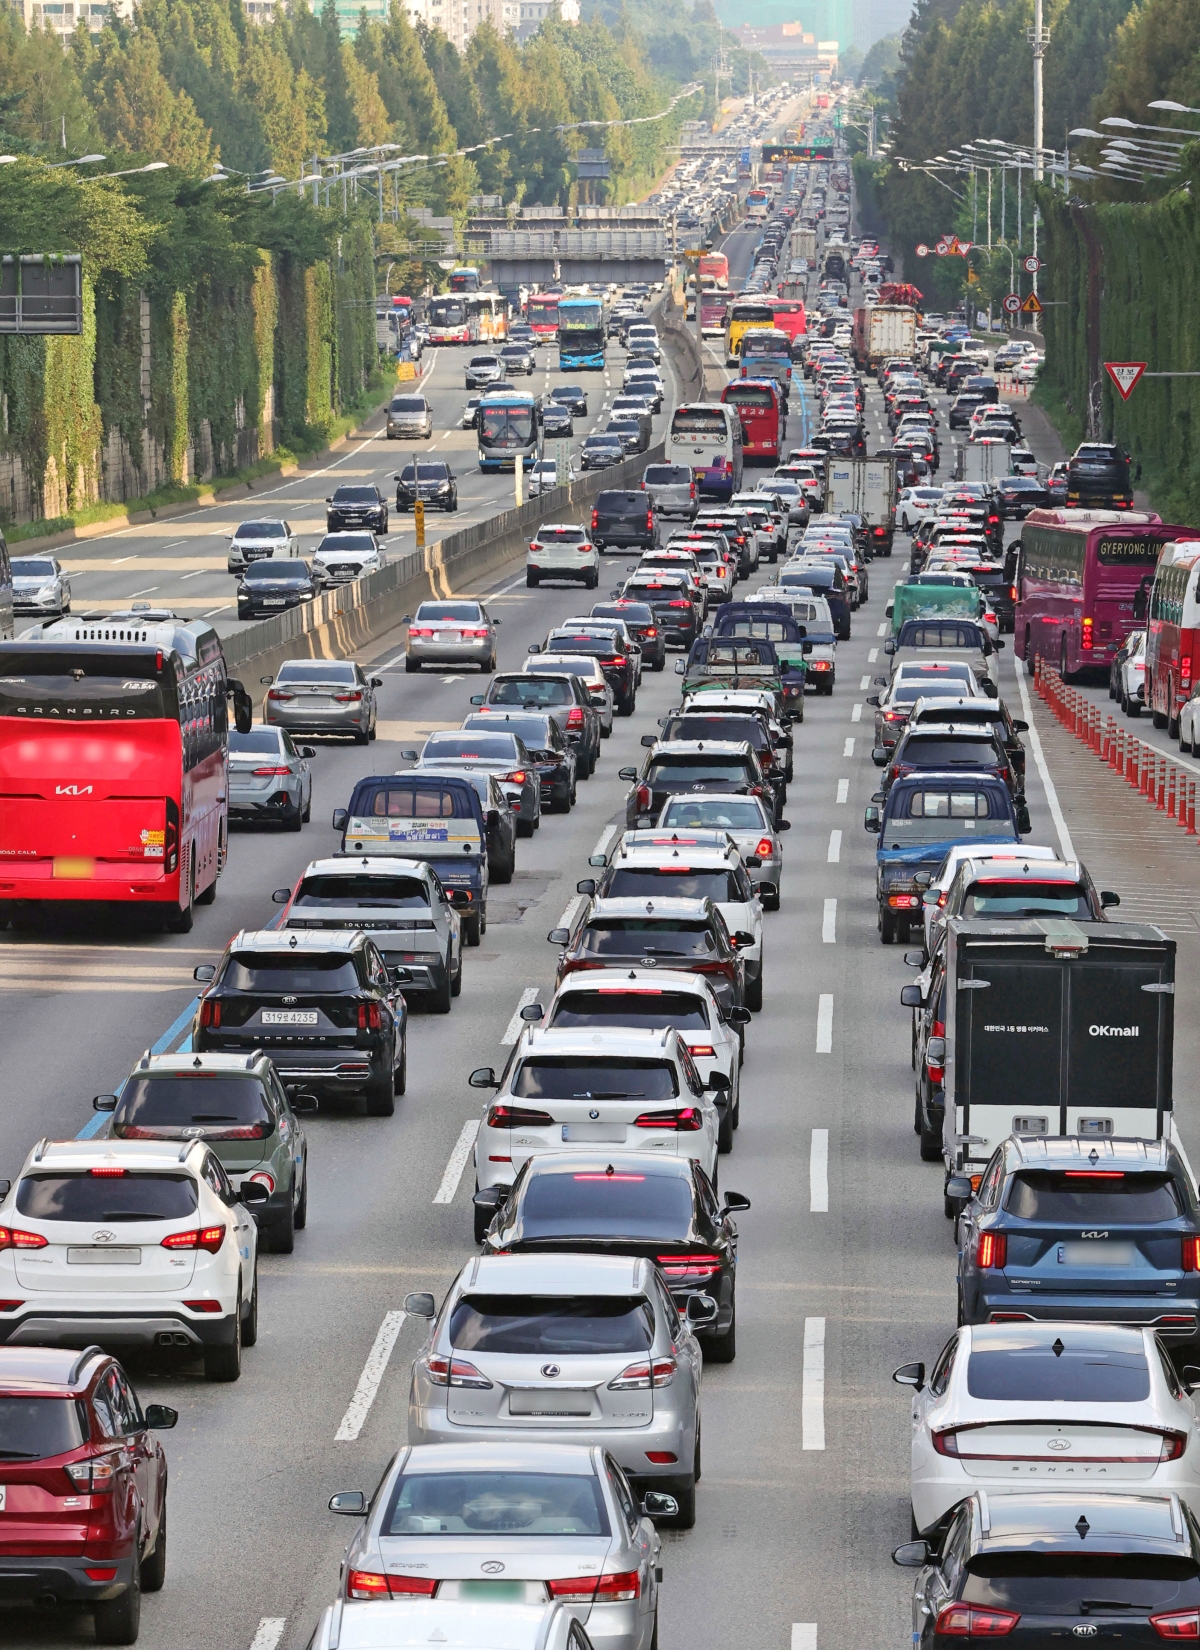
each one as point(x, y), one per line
point(455, 1372)
point(1191, 1254)
point(427, 630)
point(678, 603)
point(516, 1117)
point(210, 1013)
point(691, 489)
point(993, 1250)
point(647, 1373)
point(366, 1584)
point(627, 1584)
point(595, 520)
point(702, 1051)
point(643, 798)
point(575, 717)
point(683, 1119)
point(473, 635)
point(270, 773)
point(533, 545)
point(974, 1621)
point(370, 1016)
point(200, 1237)
point(96, 1475)
point(517, 777)
point(347, 698)
point(1086, 640)
point(1177, 1624)
point(279, 693)
point(662, 1457)
point(693, 1268)
point(764, 848)
point(649, 631)
point(412, 1586)
point(10, 1239)
point(584, 550)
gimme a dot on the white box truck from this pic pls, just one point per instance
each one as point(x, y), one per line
point(883, 331)
point(982, 461)
point(803, 245)
point(864, 487)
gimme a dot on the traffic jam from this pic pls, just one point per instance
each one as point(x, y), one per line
point(790, 578)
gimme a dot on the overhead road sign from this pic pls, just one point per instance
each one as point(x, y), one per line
point(796, 151)
point(1125, 375)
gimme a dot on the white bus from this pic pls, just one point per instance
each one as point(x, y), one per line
point(707, 437)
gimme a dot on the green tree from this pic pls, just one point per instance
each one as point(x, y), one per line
point(138, 111)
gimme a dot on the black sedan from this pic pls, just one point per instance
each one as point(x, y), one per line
point(356, 506)
point(625, 1204)
point(434, 484)
point(552, 758)
point(572, 396)
point(1021, 494)
point(599, 452)
point(269, 587)
point(557, 420)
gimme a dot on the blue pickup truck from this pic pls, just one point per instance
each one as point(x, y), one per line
point(924, 816)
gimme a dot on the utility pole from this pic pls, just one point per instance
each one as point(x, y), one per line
point(1039, 39)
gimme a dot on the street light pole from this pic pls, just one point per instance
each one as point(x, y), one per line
point(1039, 39)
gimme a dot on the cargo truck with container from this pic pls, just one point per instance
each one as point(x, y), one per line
point(803, 244)
point(1053, 1026)
point(982, 461)
point(883, 330)
point(864, 487)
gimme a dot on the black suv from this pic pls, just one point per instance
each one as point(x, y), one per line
point(434, 485)
point(322, 1006)
point(357, 506)
point(1098, 474)
point(622, 520)
point(610, 653)
point(639, 620)
point(669, 598)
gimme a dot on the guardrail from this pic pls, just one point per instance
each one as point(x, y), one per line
point(1166, 786)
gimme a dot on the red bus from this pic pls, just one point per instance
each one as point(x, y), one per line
point(760, 409)
point(713, 307)
point(790, 317)
point(541, 313)
point(1077, 581)
point(715, 264)
point(114, 758)
point(1172, 619)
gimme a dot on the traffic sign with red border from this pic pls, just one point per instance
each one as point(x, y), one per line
point(1032, 305)
point(922, 250)
point(1011, 303)
point(1031, 265)
point(1125, 375)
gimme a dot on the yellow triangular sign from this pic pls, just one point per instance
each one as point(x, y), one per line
point(1032, 305)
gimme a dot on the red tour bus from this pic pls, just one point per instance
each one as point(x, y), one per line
point(541, 313)
point(1082, 582)
point(715, 264)
point(1173, 631)
point(760, 409)
point(114, 758)
point(790, 317)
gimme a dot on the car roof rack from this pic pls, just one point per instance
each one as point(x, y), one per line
point(84, 1358)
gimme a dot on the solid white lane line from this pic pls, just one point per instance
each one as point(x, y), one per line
point(872, 655)
point(843, 794)
point(812, 1403)
point(513, 1029)
point(458, 1162)
point(571, 912)
point(804, 1635)
point(835, 847)
point(882, 631)
point(270, 1631)
point(848, 748)
point(829, 922)
point(865, 683)
point(1035, 743)
point(355, 1417)
point(818, 1173)
point(199, 574)
point(856, 714)
point(607, 835)
point(825, 1023)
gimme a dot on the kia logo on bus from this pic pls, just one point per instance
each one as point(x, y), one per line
point(1114, 1031)
point(72, 790)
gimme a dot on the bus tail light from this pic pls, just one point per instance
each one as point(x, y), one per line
point(1086, 639)
point(1185, 673)
point(171, 840)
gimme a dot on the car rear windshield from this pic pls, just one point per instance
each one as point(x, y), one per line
point(601, 1202)
point(34, 1429)
point(1047, 899)
point(531, 693)
point(275, 972)
point(414, 799)
point(912, 688)
point(716, 813)
point(1071, 1583)
point(258, 742)
point(748, 728)
point(685, 1010)
point(676, 883)
point(170, 1103)
point(464, 612)
point(107, 1197)
point(1080, 1366)
point(1074, 1195)
point(950, 753)
point(572, 665)
point(365, 889)
point(495, 1503)
point(486, 747)
point(313, 670)
point(570, 1325)
point(694, 770)
point(649, 936)
point(922, 633)
point(561, 535)
point(699, 421)
point(622, 504)
point(667, 475)
point(572, 1077)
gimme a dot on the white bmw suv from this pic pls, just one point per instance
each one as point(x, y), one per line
point(130, 1243)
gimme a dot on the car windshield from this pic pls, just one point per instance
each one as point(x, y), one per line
point(1047, 899)
point(364, 888)
point(432, 471)
point(337, 544)
point(157, 1103)
point(263, 572)
point(676, 882)
point(495, 1503)
point(248, 972)
point(565, 1326)
point(355, 495)
point(408, 404)
point(1080, 1195)
point(717, 813)
point(258, 742)
point(32, 567)
point(571, 1077)
point(257, 531)
point(107, 1197)
point(456, 612)
point(604, 1202)
point(648, 936)
point(685, 1010)
point(315, 670)
point(1081, 1366)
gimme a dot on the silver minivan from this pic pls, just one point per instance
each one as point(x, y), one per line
point(566, 1349)
point(409, 415)
point(672, 490)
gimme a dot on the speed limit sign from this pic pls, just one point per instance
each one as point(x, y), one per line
point(1012, 303)
point(922, 250)
point(1031, 265)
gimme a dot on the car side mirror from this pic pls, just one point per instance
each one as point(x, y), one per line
point(459, 898)
point(1191, 1376)
point(736, 1201)
point(879, 756)
point(532, 1013)
point(913, 1555)
point(281, 896)
point(419, 1305)
point(1020, 727)
point(743, 939)
point(935, 1051)
point(340, 816)
point(409, 756)
point(628, 774)
point(680, 668)
point(717, 1083)
point(534, 647)
point(205, 974)
point(161, 1417)
point(559, 936)
point(306, 750)
point(586, 885)
point(1108, 898)
point(872, 821)
point(657, 1505)
point(104, 1102)
point(252, 1191)
point(910, 996)
point(648, 741)
point(960, 1188)
point(303, 1103)
point(329, 501)
point(483, 1077)
point(910, 1375)
point(701, 1309)
point(350, 1503)
point(492, 819)
point(477, 698)
point(266, 680)
point(874, 700)
point(376, 681)
point(998, 646)
point(784, 825)
point(914, 959)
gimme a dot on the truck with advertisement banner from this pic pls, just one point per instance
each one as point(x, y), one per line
point(886, 330)
point(864, 487)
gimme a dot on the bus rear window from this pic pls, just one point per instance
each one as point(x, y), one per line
point(738, 397)
point(92, 698)
point(708, 421)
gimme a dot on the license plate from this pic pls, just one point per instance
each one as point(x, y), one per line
point(606, 1133)
point(1097, 1254)
point(512, 1592)
point(289, 1016)
point(274, 601)
point(551, 1401)
point(104, 1257)
point(448, 636)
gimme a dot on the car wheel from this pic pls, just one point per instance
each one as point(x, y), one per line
point(754, 994)
point(887, 930)
point(931, 1140)
point(722, 1349)
point(154, 1565)
point(482, 1219)
point(411, 665)
point(180, 922)
point(526, 827)
point(307, 814)
point(490, 666)
point(250, 1321)
point(659, 664)
point(118, 1620)
point(532, 580)
point(293, 819)
point(471, 929)
point(380, 1097)
point(224, 1363)
point(400, 1075)
point(282, 1236)
point(361, 736)
point(725, 1131)
point(300, 1219)
point(503, 871)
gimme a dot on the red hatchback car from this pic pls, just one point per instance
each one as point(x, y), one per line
point(83, 1487)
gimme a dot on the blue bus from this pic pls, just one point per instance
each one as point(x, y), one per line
point(580, 334)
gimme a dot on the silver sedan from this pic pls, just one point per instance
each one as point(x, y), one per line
point(40, 587)
point(269, 777)
point(748, 821)
point(322, 696)
point(556, 1521)
point(451, 633)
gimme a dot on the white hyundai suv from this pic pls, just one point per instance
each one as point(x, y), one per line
point(130, 1243)
point(562, 550)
